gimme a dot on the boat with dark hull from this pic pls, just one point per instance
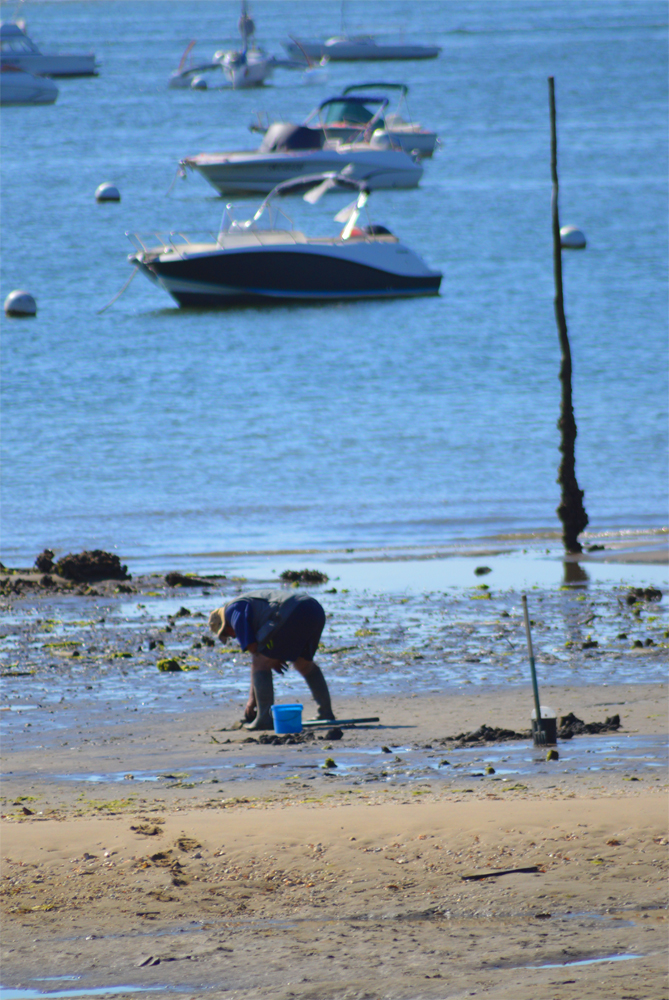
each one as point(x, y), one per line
point(245, 263)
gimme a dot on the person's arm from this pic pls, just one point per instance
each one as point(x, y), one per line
point(239, 617)
point(239, 621)
point(251, 709)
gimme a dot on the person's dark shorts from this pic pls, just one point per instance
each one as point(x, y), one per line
point(299, 635)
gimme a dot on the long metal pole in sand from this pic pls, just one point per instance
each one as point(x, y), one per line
point(539, 734)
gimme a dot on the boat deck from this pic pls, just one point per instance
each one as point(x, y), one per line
point(180, 243)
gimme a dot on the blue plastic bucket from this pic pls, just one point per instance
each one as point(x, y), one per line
point(287, 718)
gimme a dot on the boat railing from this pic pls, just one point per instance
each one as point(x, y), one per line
point(165, 242)
point(141, 241)
point(263, 121)
point(178, 243)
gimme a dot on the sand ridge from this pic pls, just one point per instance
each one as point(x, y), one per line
point(342, 899)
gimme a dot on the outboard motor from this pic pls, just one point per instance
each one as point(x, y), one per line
point(283, 135)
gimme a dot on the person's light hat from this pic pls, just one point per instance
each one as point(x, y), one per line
point(217, 623)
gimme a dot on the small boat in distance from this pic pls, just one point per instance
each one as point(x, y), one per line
point(357, 48)
point(19, 87)
point(17, 49)
point(245, 263)
point(250, 67)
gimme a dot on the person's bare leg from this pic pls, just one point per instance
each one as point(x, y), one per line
point(313, 675)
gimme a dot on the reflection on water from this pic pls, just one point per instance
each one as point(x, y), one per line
point(7, 993)
point(582, 961)
point(574, 574)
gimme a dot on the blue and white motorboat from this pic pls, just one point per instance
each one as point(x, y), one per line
point(246, 263)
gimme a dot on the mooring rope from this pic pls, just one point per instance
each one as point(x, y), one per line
point(119, 294)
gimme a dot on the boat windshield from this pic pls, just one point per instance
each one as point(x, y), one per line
point(17, 44)
point(277, 219)
point(350, 112)
point(14, 39)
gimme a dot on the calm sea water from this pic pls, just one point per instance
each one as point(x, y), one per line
point(163, 433)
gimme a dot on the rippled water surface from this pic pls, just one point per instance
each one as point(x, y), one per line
point(163, 433)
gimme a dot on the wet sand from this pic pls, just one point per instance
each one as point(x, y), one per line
point(144, 851)
point(331, 887)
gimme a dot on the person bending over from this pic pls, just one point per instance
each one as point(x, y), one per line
point(277, 627)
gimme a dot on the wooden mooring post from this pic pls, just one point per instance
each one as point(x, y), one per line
point(571, 510)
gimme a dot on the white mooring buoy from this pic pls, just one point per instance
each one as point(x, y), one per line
point(571, 238)
point(20, 303)
point(107, 192)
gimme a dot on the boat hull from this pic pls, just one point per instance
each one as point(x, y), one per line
point(351, 51)
point(17, 49)
point(19, 88)
point(237, 173)
point(408, 140)
point(246, 75)
point(339, 271)
point(42, 64)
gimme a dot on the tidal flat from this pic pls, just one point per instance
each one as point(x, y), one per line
point(150, 845)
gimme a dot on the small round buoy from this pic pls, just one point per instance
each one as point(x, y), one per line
point(107, 192)
point(198, 83)
point(571, 238)
point(19, 303)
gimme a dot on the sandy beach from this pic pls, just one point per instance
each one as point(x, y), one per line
point(176, 852)
point(404, 457)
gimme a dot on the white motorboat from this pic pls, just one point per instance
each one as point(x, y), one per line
point(350, 117)
point(357, 48)
point(19, 87)
point(245, 263)
point(289, 151)
point(17, 49)
point(249, 68)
